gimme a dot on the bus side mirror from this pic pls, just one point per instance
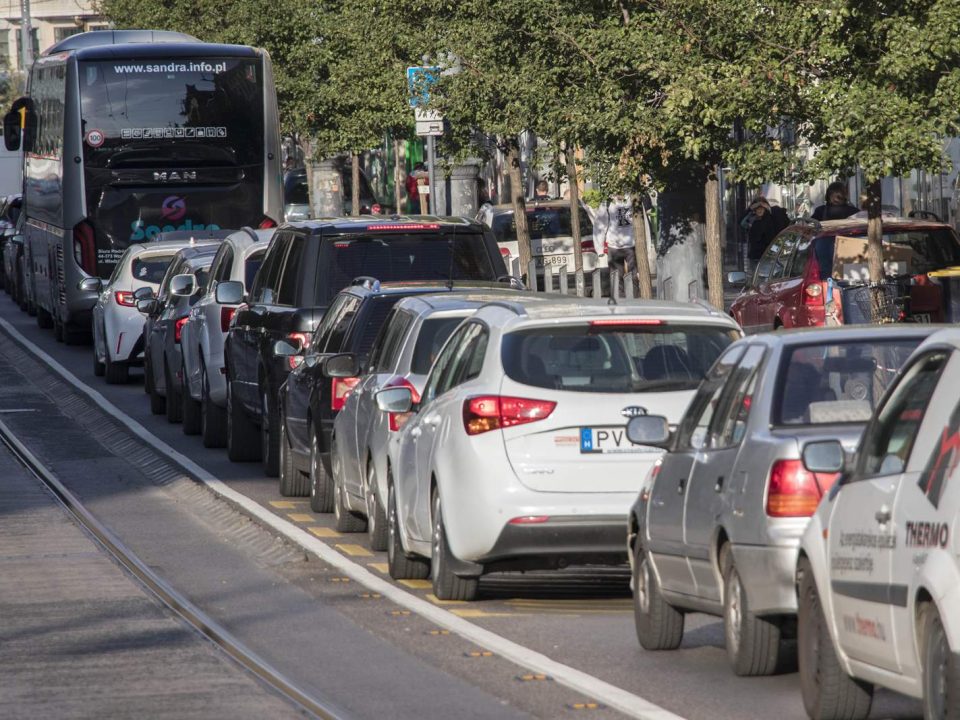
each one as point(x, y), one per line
point(11, 131)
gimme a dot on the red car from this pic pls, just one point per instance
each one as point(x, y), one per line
point(811, 270)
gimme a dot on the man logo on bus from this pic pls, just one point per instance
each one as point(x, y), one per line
point(173, 208)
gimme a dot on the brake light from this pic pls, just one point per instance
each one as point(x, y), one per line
point(793, 491)
point(492, 412)
point(125, 298)
point(504, 253)
point(302, 340)
point(395, 421)
point(625, 322)
point(340, 389)
point(529, 520)
point(587, 246)
point(267, 223)
point(84, 247)
point(178, 328)
point(226, 315)
point(813, 294)
point(400, 227)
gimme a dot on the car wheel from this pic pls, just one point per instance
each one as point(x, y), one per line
point(242, 442)
point(401, 566)
point(446, 584)
point(213, 418)
point(117, 373)
point(321, 484)
point(658, 624)
point(753, 643)
point(158, 403)
point(174, 404)
point(269, 434)
point(99, 368)
point(345, 519)
point(941, 669)
point(191, 408)
point(293, 483)
point(376, 517)
point(828, 692)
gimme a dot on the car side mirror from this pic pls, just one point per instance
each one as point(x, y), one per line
point(737, 278)
point(11, 131)
point(395, 400)
point(284, 348)
point(143, 293)
point(652, 430)
point(344, 365)
point(824, 456)
point(90, 285)
point(183, 285)
point(229, 292)
point(147, 305)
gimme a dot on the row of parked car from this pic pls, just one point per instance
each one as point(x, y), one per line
point(801, 485)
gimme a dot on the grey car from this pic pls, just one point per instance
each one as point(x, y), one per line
point(718, 523)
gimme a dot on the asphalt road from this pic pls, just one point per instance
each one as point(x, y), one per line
point(582, 621)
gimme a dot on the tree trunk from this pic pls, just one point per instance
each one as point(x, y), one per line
point(875, 247)
point(397, 179)
point(640, 248)
point(355, 176)
point(714, 238)
point(575, 220)
point(519, 207)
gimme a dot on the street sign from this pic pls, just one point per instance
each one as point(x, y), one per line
point(419, 80)
point(429, 122)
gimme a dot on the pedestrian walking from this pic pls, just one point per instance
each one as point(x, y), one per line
point(761, 230)
point(613, 234)
point(412, 186)
point(838, 205)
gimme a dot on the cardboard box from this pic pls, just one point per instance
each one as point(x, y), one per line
point(850, 259)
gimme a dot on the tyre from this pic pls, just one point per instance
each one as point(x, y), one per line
point(658, 624)
point(190, 410)
point(376, 516)
point(345, 519)
point(941, 669)
point(158, 403)
point(447, 585)
point(174, 403)
point(213, 418)
point(74, 336)
point(400, 566)
point(44, 319)
point(269, 433)
point(243, 445)
point(117, 373)
point(753, 643)
point(828, 692)
point(293, 483)
point(321, 484)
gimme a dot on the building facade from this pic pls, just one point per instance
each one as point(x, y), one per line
point(51, 21)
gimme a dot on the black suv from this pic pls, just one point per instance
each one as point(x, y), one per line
point(306, 265)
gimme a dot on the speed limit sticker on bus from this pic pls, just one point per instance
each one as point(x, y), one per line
point(95, 138)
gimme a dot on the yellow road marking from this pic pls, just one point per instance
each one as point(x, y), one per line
point(398, 613)
point(437, 601)
point(340, 579)
point(438, 632)
point(380, 567)
point(417, 584)
point(300, 517)
point(479, 653)
point(370, 596)
point(586, 706)
point(323, 532)
point(473, 613)
point(534, 677)
point(354, 550)
point(287, 504)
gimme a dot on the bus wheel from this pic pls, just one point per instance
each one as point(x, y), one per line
point(44, 319)
point(57, 331)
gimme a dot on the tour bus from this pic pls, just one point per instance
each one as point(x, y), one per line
point(127, 134)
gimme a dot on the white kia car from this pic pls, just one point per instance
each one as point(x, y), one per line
point(516, 456)
point(117, 324)
point(203, 376)
point(879, 569)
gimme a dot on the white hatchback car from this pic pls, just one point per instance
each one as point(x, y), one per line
point(117, 324)
point(516, 456)
point(879, 570)
point(204, 390)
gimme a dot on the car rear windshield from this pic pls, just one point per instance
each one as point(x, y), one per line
point(151, 268)
point(905, 252)
point(398, 256)
point(543, 223)
point(613, 359)
point(433, 334)
point(836, 382)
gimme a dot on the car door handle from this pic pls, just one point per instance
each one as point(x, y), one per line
point(719, 486)
point(415, 432)
point(883, 515)
point(681, 486)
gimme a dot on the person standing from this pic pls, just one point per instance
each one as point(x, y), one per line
point(761, 231)
point(838, 205)
point(542, 191)
point(412, 186)
point(613, 234)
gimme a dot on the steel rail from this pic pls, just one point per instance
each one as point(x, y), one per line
point(181, 606)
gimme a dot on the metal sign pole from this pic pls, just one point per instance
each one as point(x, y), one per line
point(431, 146)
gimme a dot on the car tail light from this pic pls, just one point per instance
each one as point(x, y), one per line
point(178, 328)
point(303, 339)
point(226, 315)
point(588, 246)
point(340, 389)
point(529, 520)
point(492, 412)
point(125, 298)
point(625, 322)
point(395, 421)
point(794, 491)
point(267, 223)
point(84, 247)
point(504, 253)
point(813, 294)
point(403, 227)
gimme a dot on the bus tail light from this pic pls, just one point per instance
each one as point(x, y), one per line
point(178, 328)
point(267, 223)
point(340, 388)
point(84, 247)
point(395, 421)
point(794, 491)
point(125, 298)
point(492, 412)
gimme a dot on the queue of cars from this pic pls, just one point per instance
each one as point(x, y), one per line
point(801, 485)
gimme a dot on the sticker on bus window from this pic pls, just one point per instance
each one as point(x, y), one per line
point(95, 138)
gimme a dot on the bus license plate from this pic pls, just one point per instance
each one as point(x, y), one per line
point(609, 440)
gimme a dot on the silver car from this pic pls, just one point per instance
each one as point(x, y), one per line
point(204, 380)
point(718, 523)
point(402, 356)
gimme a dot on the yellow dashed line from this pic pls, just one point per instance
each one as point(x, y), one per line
point(417, 584)
point(586, 706)
point(437, 601)
point(534, 677)
point(324, 532)
point(479, 654)
point(301, 517)
point(399, 613)
point(472, 613)
point(380, 567)
point(354, 550)
point(370, 596)
point(287, 504)
point(340, 579)
point(438, 632)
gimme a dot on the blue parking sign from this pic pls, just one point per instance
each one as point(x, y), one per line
point(419, 80)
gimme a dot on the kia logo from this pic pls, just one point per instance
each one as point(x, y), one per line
point(633, 411)
point(173, 208)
